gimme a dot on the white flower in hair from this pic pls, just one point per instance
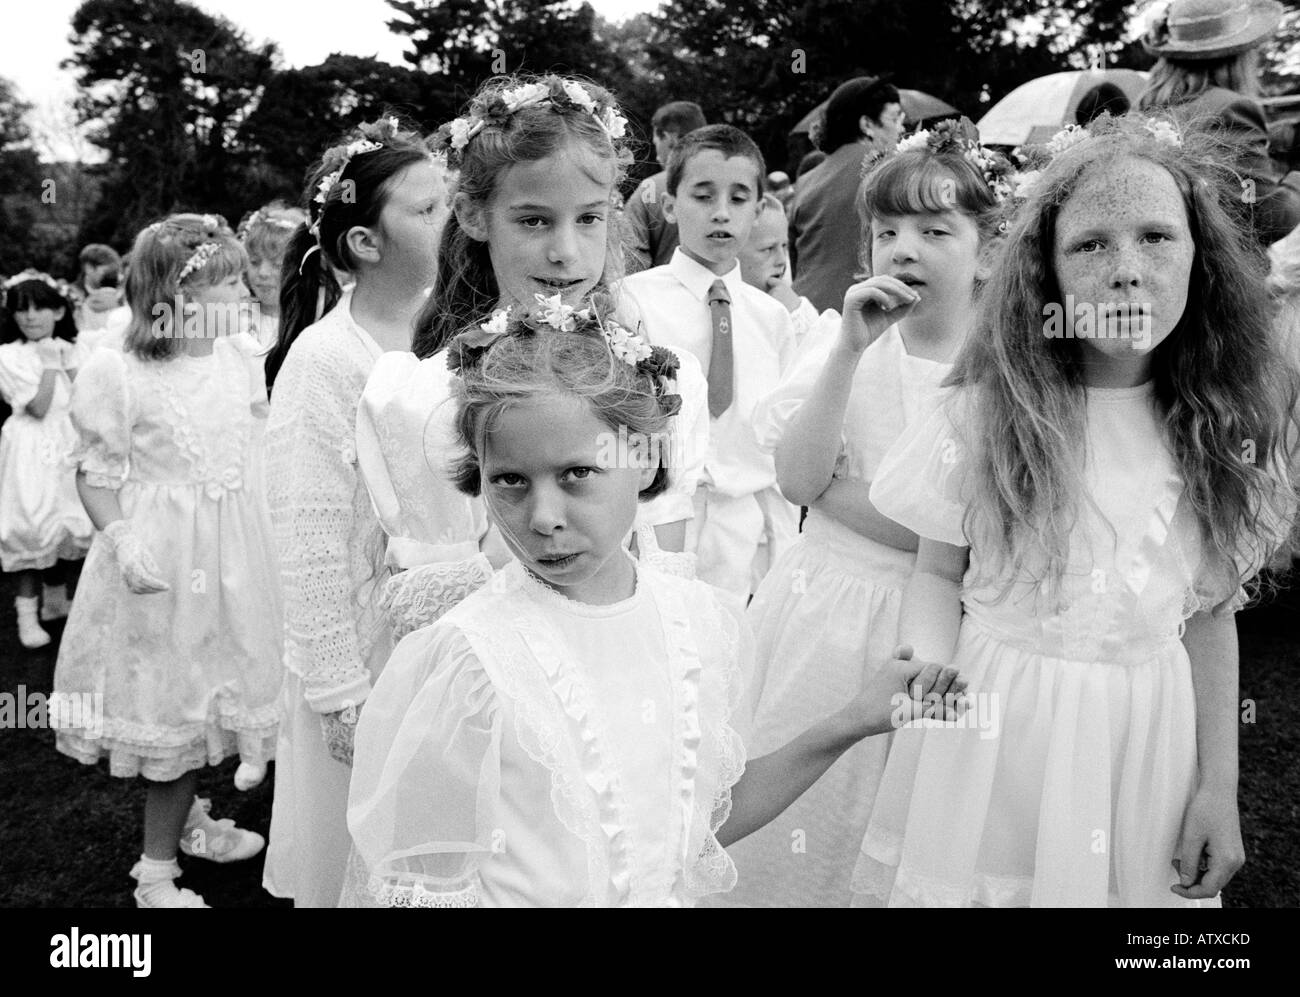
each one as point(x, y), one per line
point(1165, 132)
point(1066, 138)
point(496, 325)
point(578, 94)
point(199, 259)
point(1023, 182)
point(461, 133)
point(556, 313)
point(325, 186)
point(529, 93)
point(626, 346)
point(917, 140)
point(613, 123)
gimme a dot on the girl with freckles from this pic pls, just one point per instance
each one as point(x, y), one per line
point(1089, 510)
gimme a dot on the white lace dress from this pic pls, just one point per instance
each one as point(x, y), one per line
point(41, 517)
point(824, 618)
point(580, 756)
point(336, 637)
point(1067, 783)
point(190, 676)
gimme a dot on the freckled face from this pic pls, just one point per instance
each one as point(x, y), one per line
point(1123, 243)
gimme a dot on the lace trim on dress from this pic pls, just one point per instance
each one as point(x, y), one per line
point(419, 596)
point(390, 894)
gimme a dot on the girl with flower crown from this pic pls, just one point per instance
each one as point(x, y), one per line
point(1091, 495)
point(538, 163)
point(174, 635)
point(42, 522)
point(589, 751)
point(375, 205)
point(265, 234)
point(827, 611)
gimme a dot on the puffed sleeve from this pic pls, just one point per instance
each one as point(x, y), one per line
point(20, 374)
point(773, 414)
point(921, 483)
point(250, 353)
point(101, 414)
point(426, 776)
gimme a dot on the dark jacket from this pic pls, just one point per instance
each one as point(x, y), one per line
point(825, 228)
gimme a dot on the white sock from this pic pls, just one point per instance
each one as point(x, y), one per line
point(155, 877)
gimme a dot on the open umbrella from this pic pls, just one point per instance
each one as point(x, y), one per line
point(917, 105)
point(1035, 111)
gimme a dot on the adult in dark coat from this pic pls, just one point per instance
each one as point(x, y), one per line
point(1206, 74)
point(862, 114)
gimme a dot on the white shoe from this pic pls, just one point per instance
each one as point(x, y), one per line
point(30, 632)
point(160, 890)
point(54, 602)
point(249, 775)
point(217, 840)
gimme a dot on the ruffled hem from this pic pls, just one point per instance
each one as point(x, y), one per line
point(389, 894)
point(70, 548)
point(166, 763)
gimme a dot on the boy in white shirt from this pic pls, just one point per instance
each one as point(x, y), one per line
point(743, 338)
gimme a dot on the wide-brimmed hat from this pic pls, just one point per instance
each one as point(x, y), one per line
point(1211, 29)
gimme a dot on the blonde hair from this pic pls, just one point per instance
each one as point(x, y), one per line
point(154, 288)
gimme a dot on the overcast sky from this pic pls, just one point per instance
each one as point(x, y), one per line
point(34, 43)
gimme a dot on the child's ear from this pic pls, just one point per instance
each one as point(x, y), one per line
point(470, 216)
point(669, 203)
point(364, 243)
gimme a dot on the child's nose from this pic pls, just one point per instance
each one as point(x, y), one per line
point(547, 512)
point(1126, 271)
point(564, 244)
point(904, 248)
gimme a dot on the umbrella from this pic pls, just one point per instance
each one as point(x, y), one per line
point(916, 105)
point(1035, 111)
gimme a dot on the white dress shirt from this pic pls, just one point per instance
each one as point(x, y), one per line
point(671, 303)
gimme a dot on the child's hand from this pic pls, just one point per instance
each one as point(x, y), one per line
point(52, 352)
point(1209, 849)
point(871, 307)
point(905, 690)
point(139, 570)
point(340, 730)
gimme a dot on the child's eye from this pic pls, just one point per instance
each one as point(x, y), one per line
point(508, 480)
point(532, 221)
point(1088, 246)
point(581, 473)
point(936, 231)
point(884, 233)
point(595, 218)
point(1155, 237)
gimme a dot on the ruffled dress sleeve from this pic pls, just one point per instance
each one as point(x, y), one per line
point(426, 777)
point(101, 414)
point(404, 437)
point(20, 374)
point(922, 482)
point(774, 413)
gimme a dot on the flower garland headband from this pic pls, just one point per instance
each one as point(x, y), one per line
point(659, 364)
point(497, 107)
point(262, 216)
point(961, 137)
point(1071, 135)
point(59, 287)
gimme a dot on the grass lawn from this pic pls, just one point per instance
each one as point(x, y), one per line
point(69, 833)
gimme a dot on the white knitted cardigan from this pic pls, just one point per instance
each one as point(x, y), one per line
point(327, 536)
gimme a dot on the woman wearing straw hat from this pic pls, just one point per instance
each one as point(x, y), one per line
point(1207, 72)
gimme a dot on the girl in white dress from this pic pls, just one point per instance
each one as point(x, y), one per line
point(171, 656)
point(375, 204)
point(570, 733)
point(1107, 472)
point(827, 612)
point(41, 519)
point(265, 234)
point(538, 163)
